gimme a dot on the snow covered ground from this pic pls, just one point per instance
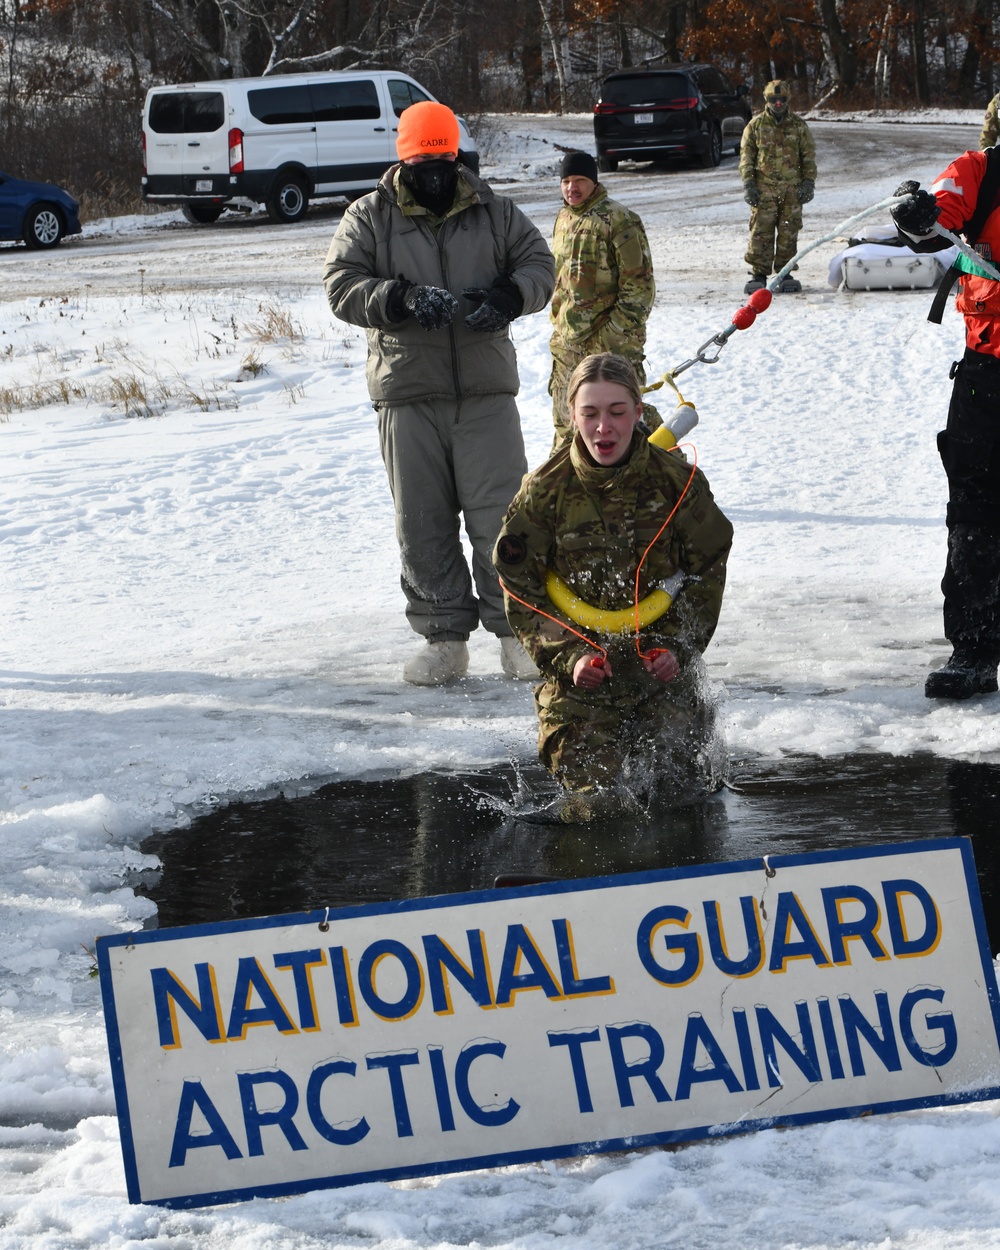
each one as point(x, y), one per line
point(200, 599)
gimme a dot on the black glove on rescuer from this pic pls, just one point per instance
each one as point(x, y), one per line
point(918, 215)
point(432, 306)
point(498, 306)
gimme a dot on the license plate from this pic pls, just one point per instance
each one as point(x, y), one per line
point(644, 119)
point(203, 184)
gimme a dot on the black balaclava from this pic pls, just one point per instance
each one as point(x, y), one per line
point(432, 183)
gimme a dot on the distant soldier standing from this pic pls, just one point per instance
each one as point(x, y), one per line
point(604, 284)
point(991, 125)
point(778, 171)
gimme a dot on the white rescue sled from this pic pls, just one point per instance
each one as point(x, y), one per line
point(878, 262)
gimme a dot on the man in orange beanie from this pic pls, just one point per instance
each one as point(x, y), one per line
point(435, 267)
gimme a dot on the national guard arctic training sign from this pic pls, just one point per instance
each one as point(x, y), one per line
point(272, 1056)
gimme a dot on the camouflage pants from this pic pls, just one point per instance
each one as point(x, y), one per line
point(564, 361)
point(774, 228)
point(588, 748)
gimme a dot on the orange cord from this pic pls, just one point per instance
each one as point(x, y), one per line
point(556, 621)
point(643, 655)
point(651, 655)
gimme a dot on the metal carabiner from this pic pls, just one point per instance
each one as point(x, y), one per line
point(719, 341)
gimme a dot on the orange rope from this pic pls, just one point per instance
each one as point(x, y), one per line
point(651, 655)
point(555, 620)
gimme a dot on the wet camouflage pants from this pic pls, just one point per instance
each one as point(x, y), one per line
point(564, 361)
point(586, 748)
point(774, 228)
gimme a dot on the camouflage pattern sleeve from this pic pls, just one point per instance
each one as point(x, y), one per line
point(748, 150)
point(991, 125)
point(626, 324)
point(807, 166)
point(704, 536)
point(522, 557)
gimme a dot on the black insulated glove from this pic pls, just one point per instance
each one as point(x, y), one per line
point(806, 190)
point(751, 193)
point(918, 215)
point(498, 306)
point(432, 306)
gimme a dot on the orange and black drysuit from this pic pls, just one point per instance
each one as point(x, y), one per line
point(970, 443)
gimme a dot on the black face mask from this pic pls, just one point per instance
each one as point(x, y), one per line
point(432, 183)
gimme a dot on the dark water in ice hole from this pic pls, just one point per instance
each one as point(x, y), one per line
point(356, 842)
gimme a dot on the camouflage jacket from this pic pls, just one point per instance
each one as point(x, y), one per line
point(591, 526)
point(991, 125)
point(604, 277)
point(777, 152)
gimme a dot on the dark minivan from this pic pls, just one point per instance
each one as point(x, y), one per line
point(653, 113)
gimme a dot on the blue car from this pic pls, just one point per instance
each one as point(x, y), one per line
point(37, 212)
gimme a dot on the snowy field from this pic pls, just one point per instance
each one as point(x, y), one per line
point(200, 599)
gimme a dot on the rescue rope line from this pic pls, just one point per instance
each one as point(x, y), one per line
point(554, 619)
point(760, 300)
point(968, 250)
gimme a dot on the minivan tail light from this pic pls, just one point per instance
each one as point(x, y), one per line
point(144, 169)
point(683, 102)
point(236, 151)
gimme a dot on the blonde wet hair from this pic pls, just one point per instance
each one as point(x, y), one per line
point(604, 367)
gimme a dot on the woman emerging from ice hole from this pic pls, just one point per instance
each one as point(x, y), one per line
point(624, 707)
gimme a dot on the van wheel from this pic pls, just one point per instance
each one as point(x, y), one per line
point(202, 214)
point(712, 155)
point(288, 200)
point(607, 164)
point(43, 227)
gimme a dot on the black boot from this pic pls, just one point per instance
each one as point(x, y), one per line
point(963, 677)
point(757, 281)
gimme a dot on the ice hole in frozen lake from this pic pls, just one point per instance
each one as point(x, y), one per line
point(350, 842)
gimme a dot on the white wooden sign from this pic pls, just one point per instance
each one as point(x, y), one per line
point(272, 1056)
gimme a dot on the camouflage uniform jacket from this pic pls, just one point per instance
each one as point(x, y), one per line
point(777, 152)
point(991, 125)
point(387, 234)
point(604, 277)
point(590, 525)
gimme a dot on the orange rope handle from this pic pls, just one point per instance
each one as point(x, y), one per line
point(655, 651)
point(556, 621)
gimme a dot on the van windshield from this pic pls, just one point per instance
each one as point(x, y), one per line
point(646, 89)
point(186, 112)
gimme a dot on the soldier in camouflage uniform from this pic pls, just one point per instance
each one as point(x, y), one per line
point(778, 172)
point(604, 284)
point(588, 514)
point(991, 125)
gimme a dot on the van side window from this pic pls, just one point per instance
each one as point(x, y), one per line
point(345, 101)
point(403, 94)
point(186, 112)
point(276, 106)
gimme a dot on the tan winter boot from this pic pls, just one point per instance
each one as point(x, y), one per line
point(516, 662)
point(437, 663)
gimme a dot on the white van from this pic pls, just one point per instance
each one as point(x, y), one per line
point(278, 141)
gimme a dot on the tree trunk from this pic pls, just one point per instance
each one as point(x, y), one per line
point(845, 60)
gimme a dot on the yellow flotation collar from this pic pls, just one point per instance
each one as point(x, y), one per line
point(608, 620)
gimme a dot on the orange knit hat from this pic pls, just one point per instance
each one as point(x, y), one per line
point(427, 129)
